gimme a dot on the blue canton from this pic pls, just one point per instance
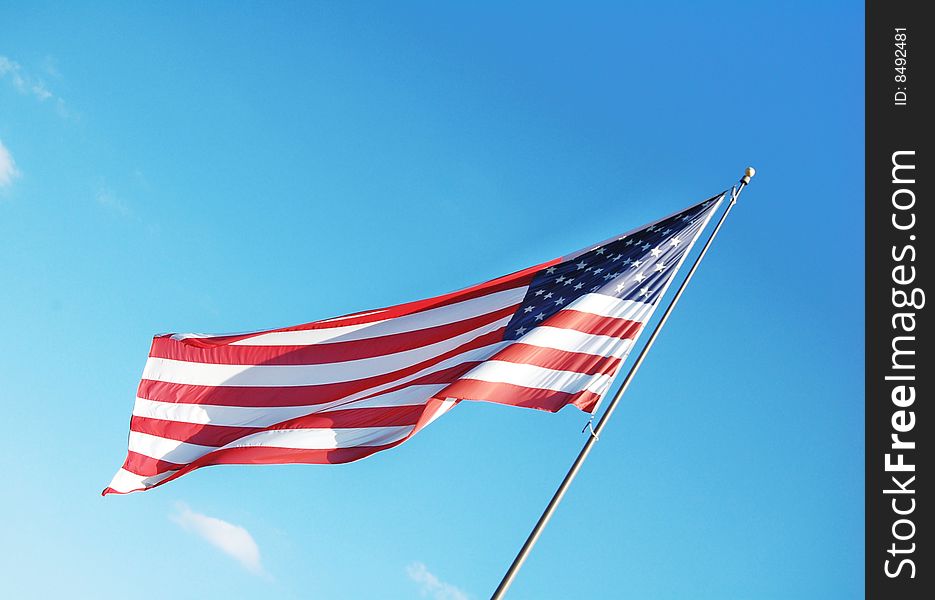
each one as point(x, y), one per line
point(634, 267)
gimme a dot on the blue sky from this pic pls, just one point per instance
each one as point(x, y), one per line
point(228, 167)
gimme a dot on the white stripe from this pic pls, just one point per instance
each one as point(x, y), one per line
point(125, 481)
point(192, 373)
point(323, 439)
point(609, 306)
point(443, 315)
point(532, 376)
point(162, 448)
point(571, 340)
point(300, 439)
point(248, 416)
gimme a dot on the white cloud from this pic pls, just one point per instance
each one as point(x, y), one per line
point(233, 540)
point(8, 170)
point(433, 587)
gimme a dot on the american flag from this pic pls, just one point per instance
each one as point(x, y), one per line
point(341, 389)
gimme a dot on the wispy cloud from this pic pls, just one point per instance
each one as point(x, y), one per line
point(8, 170)
point(50, 66)
point(109, 200)
point(233, 540)
point(24, 84)
point(431, 586)
point(29, 85)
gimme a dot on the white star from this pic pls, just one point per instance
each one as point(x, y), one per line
point(609, 276)
point(667, 232)
point(636, 264)
point(645, 291)
point(601, 250)
point(629, 242)
point(627, 261)
point(687, 218)
point(639, 277)
point(528, 309)
point(550, 270)
point(595, 288)
point(656, 251)
point(675, 241)
point(581, 265)
point(579, 286)
point(660, 267)
point(618, 257)
point(560, 301)
point(540, 292)
point(645, 246)
point(560, 279)
point(521, 331)
point(620, 287)
point(540, 316)
point(569, 280)
point(547, 296)
point(596, 271)
point(651, 228)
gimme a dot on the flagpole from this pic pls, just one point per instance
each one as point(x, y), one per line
point(596, 432)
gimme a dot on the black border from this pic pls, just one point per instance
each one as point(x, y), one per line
point(891, 128)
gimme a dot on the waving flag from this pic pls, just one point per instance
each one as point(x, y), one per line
point(338, 390)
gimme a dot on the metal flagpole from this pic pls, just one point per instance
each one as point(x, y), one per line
point(596, 432)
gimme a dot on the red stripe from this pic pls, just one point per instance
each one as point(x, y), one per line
point(517, 395)
point(191, 433)
point(147, 466)
point(624, 329)
point(442, 376)
point(560, 360)
point(220, 435)
point(294, 395)
point(587, 401)
point(327, 352)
